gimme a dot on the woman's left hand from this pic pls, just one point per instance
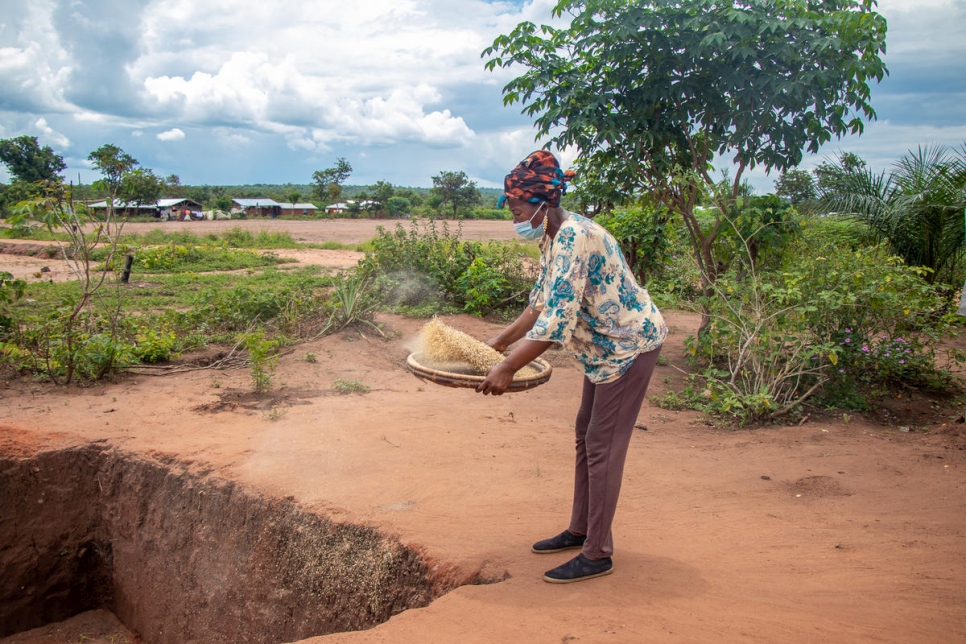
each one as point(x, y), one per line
point(497, 379)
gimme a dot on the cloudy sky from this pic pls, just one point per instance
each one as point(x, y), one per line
point(256, 91)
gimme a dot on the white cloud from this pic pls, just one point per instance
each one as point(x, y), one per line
point(48, 134)
point(232, 137)
point(880, 147)
point(174, 134)
point(888, 6)
point(392, 82)
point(884, 142)
point(34, 68)
point(250, 89)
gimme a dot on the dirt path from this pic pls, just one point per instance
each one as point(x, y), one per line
point(831, 531)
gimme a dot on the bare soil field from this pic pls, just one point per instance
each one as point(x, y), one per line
point(195, 510)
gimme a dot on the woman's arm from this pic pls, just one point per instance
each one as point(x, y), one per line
point(516, 330)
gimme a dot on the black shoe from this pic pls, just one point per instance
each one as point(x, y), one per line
point(563, 541)
point(578, 569)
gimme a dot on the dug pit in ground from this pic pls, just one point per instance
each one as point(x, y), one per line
point(184, 556)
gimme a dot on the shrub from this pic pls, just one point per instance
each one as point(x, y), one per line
point(272, 299)
point(352, 301)
point(178, 258)
point(262, 359)
point(154, 346)
point(345, 386)
point(10, 290)
point(61, 348)
point(644, 235)
point(828, 322)
point(483, 286)
point(419, 266)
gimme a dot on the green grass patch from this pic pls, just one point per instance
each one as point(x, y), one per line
point(177, 258)
point(334, 245)
point(205, 298)
point(35, 234)
point(233, 238)
point(345, 386)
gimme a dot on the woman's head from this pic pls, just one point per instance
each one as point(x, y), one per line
point(536, 179)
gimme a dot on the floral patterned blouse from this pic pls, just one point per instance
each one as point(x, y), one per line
point(589, 301)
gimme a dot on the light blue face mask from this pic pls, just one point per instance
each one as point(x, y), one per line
point(526, 230)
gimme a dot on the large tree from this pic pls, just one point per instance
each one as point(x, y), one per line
point(796, 187)
point(328, 182)
point(382, 192)
point(455, 191)
point(123, 179)
point(113, 163)
point(141, 186)
point(29, 162)
point(650, 93)
point(832, 178)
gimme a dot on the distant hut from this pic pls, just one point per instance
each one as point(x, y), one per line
point(256, 207)
point(343, 208)
point(297, 209)
point(338, 208)
point(178, 209)
point(164, 209)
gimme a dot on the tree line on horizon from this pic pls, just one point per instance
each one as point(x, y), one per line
point(36, 170)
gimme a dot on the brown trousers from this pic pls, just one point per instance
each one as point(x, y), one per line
point(604, 426)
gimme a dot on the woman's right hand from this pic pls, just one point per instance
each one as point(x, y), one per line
point(497, 380)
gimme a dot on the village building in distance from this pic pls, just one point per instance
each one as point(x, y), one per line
point(163, 209)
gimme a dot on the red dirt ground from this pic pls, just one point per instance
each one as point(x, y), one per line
point(836, 530)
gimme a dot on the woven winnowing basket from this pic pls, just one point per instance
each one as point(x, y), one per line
point(450, 357)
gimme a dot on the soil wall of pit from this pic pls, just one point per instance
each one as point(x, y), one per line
point(182, 556)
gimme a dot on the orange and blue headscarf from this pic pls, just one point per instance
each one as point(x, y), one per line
point(537, 178)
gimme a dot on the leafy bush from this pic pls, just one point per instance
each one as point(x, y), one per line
point(240, 238)
point(483, 286)
point(865, 302)
point(61, 348)
point(644, 235)
point(837, 323)
point(10, 290)
point(433, 265)
point(760, 356)
point(172, 258)
point(262, 359)
point(226, 310)
point(154, 346)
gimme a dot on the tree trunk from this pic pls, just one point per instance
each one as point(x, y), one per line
point(126, 275)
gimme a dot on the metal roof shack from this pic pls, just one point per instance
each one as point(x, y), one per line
point(349, 206)
point(337, 207)
point(256, 207)
point(169, 208)
point(176, 208)
point(298, 208)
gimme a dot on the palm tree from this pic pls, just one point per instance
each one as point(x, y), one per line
point(917, 208)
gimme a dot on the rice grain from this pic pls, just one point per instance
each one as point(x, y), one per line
point(452, 350)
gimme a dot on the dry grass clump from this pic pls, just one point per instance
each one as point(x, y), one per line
point(445, 348)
